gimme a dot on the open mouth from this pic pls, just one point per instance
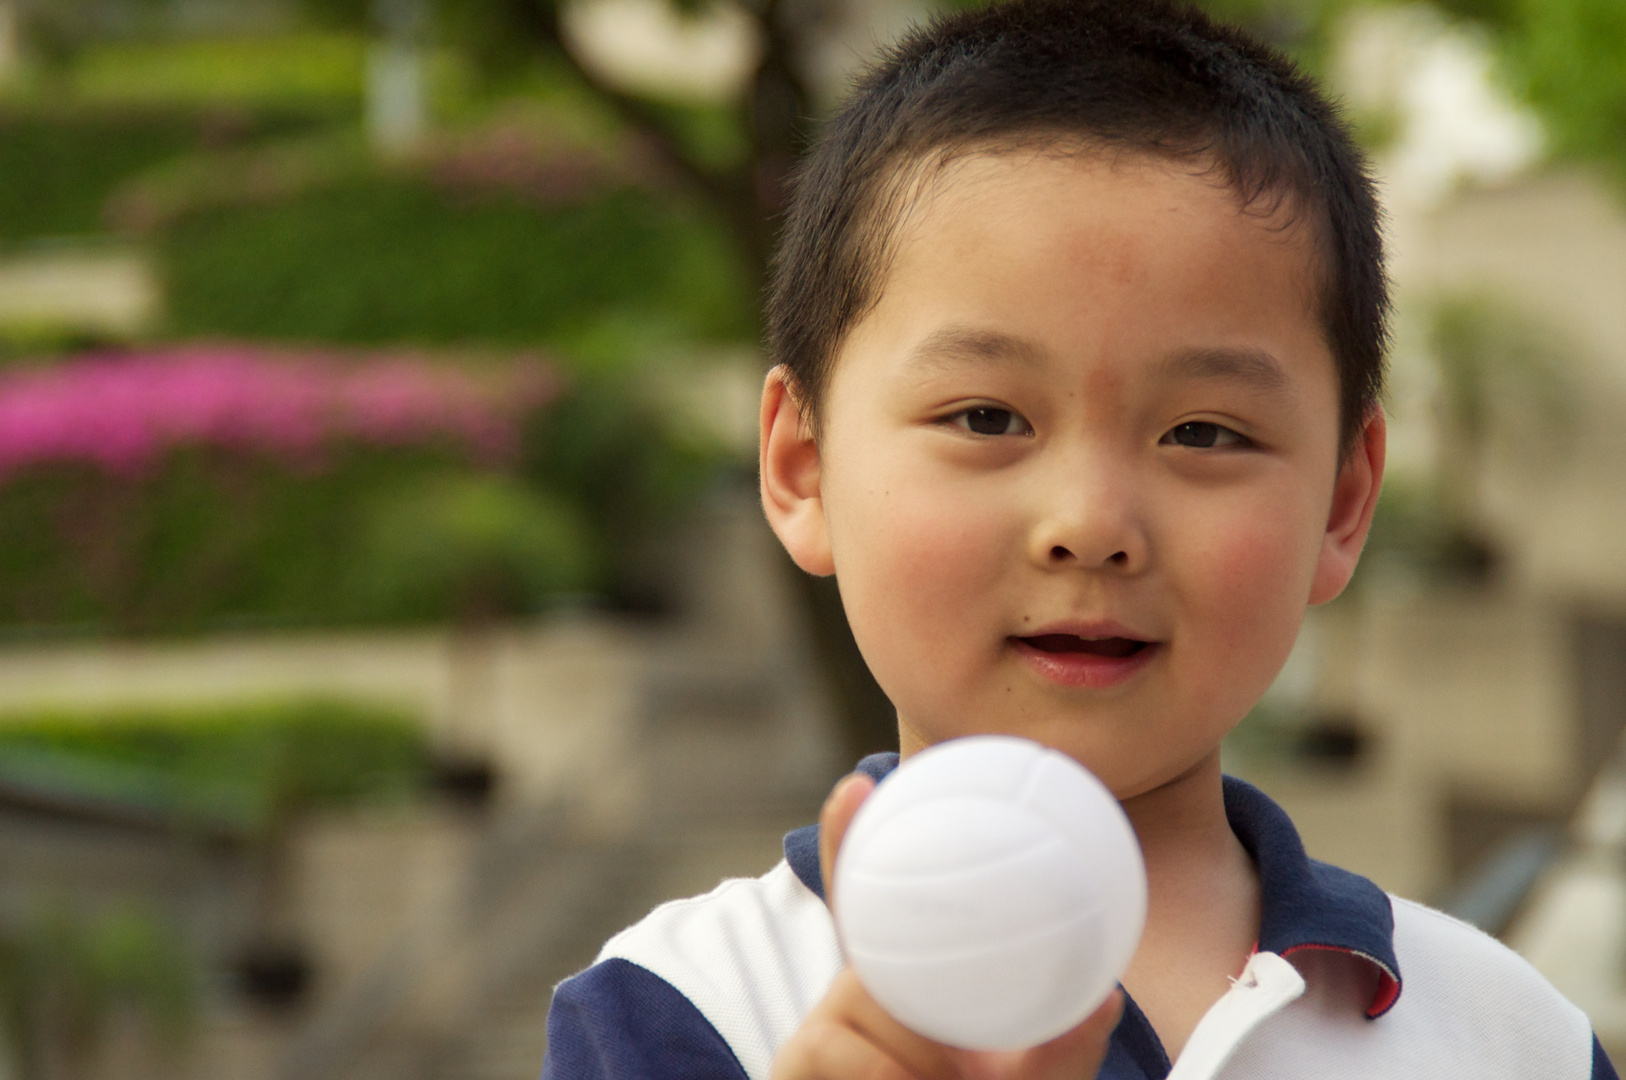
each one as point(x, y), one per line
point(1112, 648)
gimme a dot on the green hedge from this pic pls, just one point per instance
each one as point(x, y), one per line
point(215, 539)
point(608, 449)
point(314, 70)
point(58, 169)
point(243, 767)
point(393, 258)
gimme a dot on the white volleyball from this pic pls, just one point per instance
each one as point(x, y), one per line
point(990, 893)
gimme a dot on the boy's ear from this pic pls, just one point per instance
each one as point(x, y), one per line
point(1354, 498)
point(789, 471)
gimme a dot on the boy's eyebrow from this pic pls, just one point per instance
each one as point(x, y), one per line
point(1255, 368)
point(1252, 367)
point(953, 343)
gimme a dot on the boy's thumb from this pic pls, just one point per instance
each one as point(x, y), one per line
point(839, 808)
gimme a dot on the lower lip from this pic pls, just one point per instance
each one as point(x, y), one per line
point(1086, 671)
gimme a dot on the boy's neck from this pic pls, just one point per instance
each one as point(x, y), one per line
point(1203, 902)
point(1184, 820)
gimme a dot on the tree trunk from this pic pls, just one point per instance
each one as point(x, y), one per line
point(777, 116)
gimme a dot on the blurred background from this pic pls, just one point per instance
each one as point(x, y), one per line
point(385, 613)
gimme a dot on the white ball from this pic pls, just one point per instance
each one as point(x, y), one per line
point(990, 893)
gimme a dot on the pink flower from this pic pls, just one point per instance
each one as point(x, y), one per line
point(123, 412)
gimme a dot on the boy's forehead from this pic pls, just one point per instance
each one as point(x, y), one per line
point(1002, 247)
point(1126, 193)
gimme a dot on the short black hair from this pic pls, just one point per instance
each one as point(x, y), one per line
point(1154, 76)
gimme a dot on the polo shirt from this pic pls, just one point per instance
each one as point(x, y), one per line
point(713, 986)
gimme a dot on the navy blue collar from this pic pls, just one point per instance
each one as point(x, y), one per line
point(1307, 904)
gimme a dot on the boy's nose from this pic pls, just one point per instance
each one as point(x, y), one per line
point(1094, 526)
point(1061, 554)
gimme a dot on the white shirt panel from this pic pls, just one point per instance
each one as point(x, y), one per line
point(1472, 1009)
point(754, 955)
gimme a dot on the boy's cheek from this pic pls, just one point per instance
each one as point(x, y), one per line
point(916, 566)
point(1256, 569)
point(1266, 560)
point(1246, 594)
point(920, 579)
point(937, 533)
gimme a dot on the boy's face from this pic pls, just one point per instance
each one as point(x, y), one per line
point(1078, 471)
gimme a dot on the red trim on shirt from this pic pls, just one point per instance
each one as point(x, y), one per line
point(1388, 990)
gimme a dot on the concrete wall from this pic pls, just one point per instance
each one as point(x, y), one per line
point(552, 702)
point(1465, 696)
point(1552, 247)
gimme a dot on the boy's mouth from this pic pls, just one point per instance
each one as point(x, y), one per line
point(1085, 662)
point(1112, 648)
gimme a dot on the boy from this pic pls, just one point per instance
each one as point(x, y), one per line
point(1079, 317)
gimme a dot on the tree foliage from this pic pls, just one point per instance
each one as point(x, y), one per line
point(1567, 58)
point(233, 769)
point(1570, 56)
point(772, 115)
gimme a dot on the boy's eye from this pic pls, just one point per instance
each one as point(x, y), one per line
point(1203, 435)
point(988, 420)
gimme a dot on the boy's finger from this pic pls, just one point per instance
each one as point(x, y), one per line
point(845, 798)
point(833, 1052)
point(918, 1055)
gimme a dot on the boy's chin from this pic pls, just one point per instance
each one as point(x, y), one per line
point(1113, 744)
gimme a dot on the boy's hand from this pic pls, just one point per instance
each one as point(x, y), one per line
point(848, 1036)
